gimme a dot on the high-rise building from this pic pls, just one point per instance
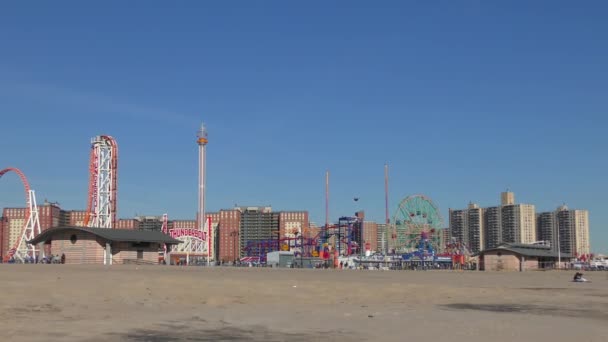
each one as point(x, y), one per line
point(127, 224)
point(476, 232)
point(467, 227)
point(507, 198)
point(546, 228)
point(292, 225)
point(258, 224)
point(76, 217)
point(213, 237)
point(581, 228)
point(493, 225)
point(446, 238)
point(519, 223)
point(483, 228)
point(459, 225)
point(312, 231)
point(229, 232)
point(370, 236)
point(152, 223)
point(49, 214)
point(573, 230)
point(15, 221)
point(382, 238)
point(182, 224)
point(3, 237)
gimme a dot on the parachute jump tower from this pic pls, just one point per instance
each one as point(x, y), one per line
point(21, 249)
point(197, 242)
point(103, 174)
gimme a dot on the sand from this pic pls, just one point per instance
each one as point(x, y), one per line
point(169, 303)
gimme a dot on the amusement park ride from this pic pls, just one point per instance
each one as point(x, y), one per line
point(415, 236)
point(21, 250)
point(103, 183)
point(414, 233)
point(101, 202)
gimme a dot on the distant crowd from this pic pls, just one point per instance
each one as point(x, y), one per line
point(52, 259)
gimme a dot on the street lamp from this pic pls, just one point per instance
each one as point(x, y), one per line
point(559, 251)
point(234, 234)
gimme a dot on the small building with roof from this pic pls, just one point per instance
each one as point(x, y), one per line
point(521, 257)
point(104, 246)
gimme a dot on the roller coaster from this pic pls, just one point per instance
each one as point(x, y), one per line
point(415, 230)
point(345, 236)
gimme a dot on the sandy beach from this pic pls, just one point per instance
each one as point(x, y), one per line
point(168, 303)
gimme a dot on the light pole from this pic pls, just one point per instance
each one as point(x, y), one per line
point(559, 251)
point(301, 248)
point(234, 234)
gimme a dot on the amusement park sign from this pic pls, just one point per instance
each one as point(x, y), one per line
point(190, 232)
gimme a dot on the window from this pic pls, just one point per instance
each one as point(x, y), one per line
point(73, 239)
point(140, 254)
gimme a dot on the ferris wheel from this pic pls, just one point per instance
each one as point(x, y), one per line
point(416, 218)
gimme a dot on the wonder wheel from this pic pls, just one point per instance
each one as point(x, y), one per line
point(416, 216)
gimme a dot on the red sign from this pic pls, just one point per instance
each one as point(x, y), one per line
point(181, 232)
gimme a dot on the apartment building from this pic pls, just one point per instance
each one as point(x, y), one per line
point(484, 228)
point(546, 227)
point(13, 221)
point(229, 244)
point(467, 226)
point(519, 223)
point(292, 224)
point(382, 238)
point(258, 224)
point(151, 223)
point(493, 226)
point(476, 241)
point(370, 236)
point(571, 228)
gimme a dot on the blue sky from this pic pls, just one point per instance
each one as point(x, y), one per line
point(462, 99)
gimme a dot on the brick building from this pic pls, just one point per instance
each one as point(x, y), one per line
point(81, 245)
point(370, 236)
point(232, 228)
point(3, 224)
point(184, 224)
point(520, 257)
point(76, 217)
point(214, 239)
point(13, 220)
point(228, 241)
point(312, 230)
point(292, 224)
point(127, 224)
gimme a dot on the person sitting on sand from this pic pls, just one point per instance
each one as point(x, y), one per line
point(578, 277)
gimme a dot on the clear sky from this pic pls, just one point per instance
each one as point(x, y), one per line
point(463, 99)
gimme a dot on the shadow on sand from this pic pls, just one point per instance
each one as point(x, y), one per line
point(221, 333)
point(531, 309)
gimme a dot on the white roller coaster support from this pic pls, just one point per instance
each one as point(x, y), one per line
point(32, 228)
point(103, 211)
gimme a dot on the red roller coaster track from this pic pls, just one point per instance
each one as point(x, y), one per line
point(26, 186)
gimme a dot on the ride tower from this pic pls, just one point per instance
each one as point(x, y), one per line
point(196, 241)
point(103, 181)
point(202, 150)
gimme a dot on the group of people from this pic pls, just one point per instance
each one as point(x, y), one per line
point(28, 259)
point(53, 259)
